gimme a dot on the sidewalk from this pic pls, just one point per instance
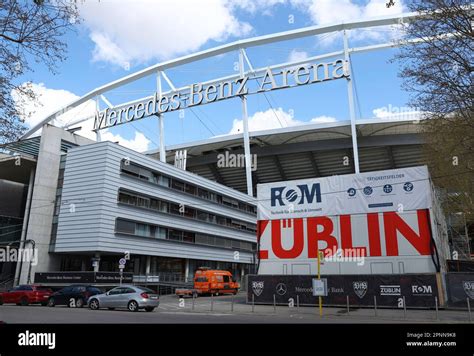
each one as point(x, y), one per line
point(223, 305)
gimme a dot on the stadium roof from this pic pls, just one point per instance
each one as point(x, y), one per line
point(305, 151)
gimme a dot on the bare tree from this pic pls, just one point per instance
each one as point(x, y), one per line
point(438, 71)
point(29, 31)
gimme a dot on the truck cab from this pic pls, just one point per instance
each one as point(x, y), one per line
point(210, 281)
point(215, 282)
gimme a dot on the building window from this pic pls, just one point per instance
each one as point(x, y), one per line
point(178, 185)
point(142, 230)
point(173, 183)
point(158, 232)
point(124, 226)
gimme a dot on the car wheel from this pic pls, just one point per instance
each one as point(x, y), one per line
point(132, 306)
point(24, 301)
point(51, 302)
point(94, 304)
point(79, 303)
point(149, 309)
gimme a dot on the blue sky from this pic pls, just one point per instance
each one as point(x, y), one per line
point(117, 38)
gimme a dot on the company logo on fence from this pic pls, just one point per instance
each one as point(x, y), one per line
point(281, 288)
point(421, 290)
point(257, 287)
point(390, 290)
point(303, 194)
point(468, 287)
point(360, 288)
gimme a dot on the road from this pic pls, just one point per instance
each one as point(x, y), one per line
point(219, 310)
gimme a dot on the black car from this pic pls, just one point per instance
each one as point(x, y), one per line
point(73, 296)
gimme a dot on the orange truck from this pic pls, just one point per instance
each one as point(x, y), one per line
point(210, 281)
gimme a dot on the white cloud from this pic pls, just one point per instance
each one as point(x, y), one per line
point(263, 6)
point(135, 32)
point(329, 11)
point(51, 100)
point(139, 143)
point(397, 113)
point(296, 55)
point(274, 119)
point(323, 119)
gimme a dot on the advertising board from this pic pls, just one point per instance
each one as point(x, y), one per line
point(369, 223)
point(419, 290)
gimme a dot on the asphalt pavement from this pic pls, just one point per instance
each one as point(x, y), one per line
point(224, 309)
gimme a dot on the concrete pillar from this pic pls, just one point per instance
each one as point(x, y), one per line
point(186, 269)
point(148, 264)
point(97, 257)
point(24, 228)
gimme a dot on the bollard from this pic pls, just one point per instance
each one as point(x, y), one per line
point(253, 302)
point(469, 308)
point(274, 304)
point(297, 303)
point(347, 302)
point(232, 305)
point(194, 296)
point(375, 305)
point(436, 306)
point(404, 308)
point(212, 301)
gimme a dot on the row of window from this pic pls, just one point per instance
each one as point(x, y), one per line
point(158, 232)
point(142, 201)
point(176, 184)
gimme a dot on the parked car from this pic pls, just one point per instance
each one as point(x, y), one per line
point(73, 296)
point(130, 297)
point(26, 294)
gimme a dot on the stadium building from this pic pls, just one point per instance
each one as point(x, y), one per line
point(83, 205)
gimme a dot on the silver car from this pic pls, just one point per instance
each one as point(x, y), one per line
point(126, 296)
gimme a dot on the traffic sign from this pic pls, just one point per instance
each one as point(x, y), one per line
point(122, 261)
point(320, 287)
point(121, 266)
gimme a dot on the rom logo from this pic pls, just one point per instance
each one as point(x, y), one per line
point(302, 194)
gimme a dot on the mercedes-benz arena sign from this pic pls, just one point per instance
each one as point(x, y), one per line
point(198, 94)
point(369, 223)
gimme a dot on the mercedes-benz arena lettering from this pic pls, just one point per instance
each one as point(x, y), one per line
point(370, 223)
point(198, 94)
